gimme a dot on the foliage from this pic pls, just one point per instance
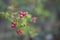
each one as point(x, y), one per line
point(21, 23)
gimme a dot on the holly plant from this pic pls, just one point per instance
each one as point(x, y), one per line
point(19, 22)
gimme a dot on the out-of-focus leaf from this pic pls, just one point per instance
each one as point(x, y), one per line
point(39, 10)
point(6, 15)
point(28, 16)
point(25, 29)
point(46, 13)
point(33, 32)
point(24, 20)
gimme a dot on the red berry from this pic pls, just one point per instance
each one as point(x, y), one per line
point(13, 26)
point(14, 23)
point(19, 31)
point(34, 19)
point(21, 12)
point(21, 16)
point(25, 13)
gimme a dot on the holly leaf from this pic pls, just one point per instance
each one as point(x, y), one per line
point(25, 29)
point(6, 15)
point(24, 20)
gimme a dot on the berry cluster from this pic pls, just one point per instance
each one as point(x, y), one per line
point(14, 26)
point(19, 31)
point(19, 22)
point(21, 14)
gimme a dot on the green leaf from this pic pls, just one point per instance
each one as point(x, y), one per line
point(19, 25)
point(28, 16)
point(10, 20)
point(6, 15)
point(25, 29)
point(24, 20)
